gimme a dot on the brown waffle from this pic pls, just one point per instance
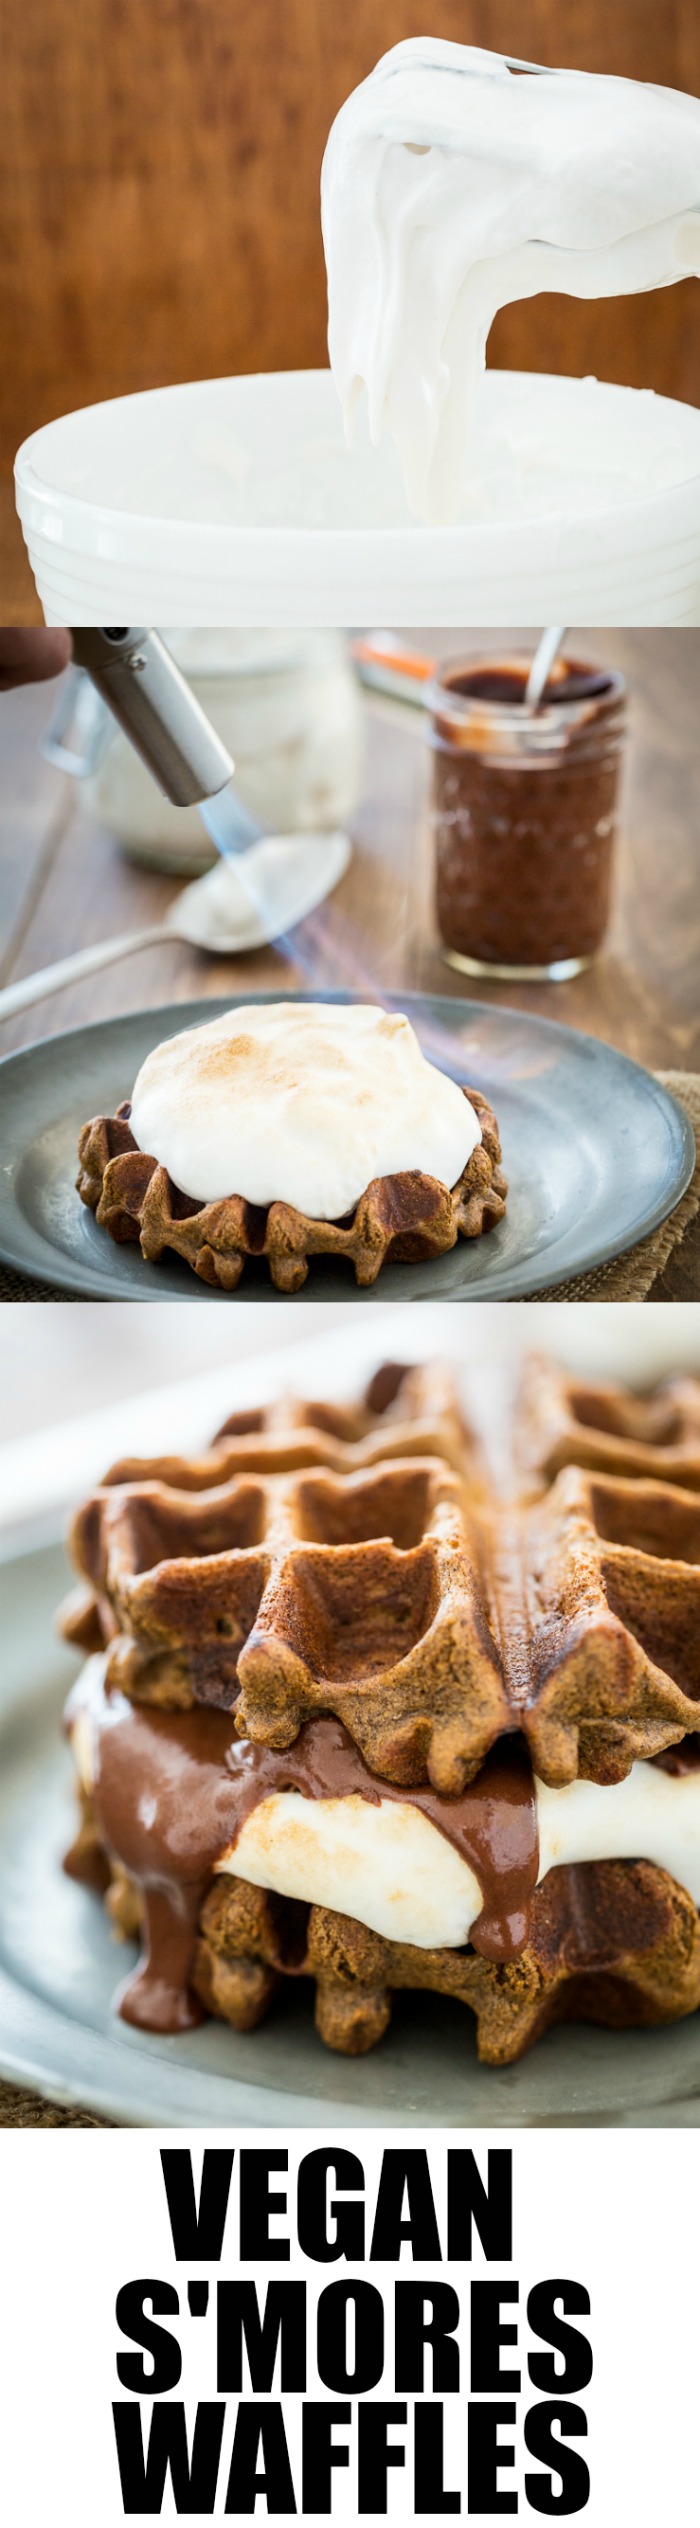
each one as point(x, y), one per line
point(562, 1421)
point(361, 1595)
point(426, 1615)
point(406, 1218)
point(605, 1666)
point(405, 1412)
point(617, 1943)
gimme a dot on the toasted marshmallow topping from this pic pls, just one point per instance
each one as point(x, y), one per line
point(453, 184)
point(299, 1103)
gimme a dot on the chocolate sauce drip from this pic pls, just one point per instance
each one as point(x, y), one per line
point(172, 1792)
point(684, 1758)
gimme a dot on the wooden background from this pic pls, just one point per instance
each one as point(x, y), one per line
point(159, 201)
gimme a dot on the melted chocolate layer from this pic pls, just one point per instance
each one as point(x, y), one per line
point(173, 1790)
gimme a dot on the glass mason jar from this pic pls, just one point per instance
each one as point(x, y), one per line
point(524, 813)
point(287, 707)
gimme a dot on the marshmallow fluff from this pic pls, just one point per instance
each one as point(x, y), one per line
point(394, 1870)
point(302, 1103)
point(454, 182)
point(391, 1868)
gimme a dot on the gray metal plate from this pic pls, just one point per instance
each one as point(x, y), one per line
point(59, 1968)
point(596, 1155)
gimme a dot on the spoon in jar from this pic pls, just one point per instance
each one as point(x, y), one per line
point(542, 664)
point(227, 912)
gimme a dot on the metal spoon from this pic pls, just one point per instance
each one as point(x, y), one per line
point(226, 912)
point(542, 665)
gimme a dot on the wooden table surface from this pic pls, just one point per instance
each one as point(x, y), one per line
point(64, 883)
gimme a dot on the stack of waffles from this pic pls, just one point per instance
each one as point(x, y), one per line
point(357, 1709)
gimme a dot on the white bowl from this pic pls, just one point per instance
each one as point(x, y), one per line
point(236, 501)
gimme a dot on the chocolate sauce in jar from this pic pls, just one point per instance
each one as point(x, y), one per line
point(524, 813)
point(173, 1790)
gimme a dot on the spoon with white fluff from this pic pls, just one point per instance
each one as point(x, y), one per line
point(226, 912)
point(542, 664)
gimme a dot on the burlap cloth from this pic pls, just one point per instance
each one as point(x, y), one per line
point(20, 2107)
point(629, 1276)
